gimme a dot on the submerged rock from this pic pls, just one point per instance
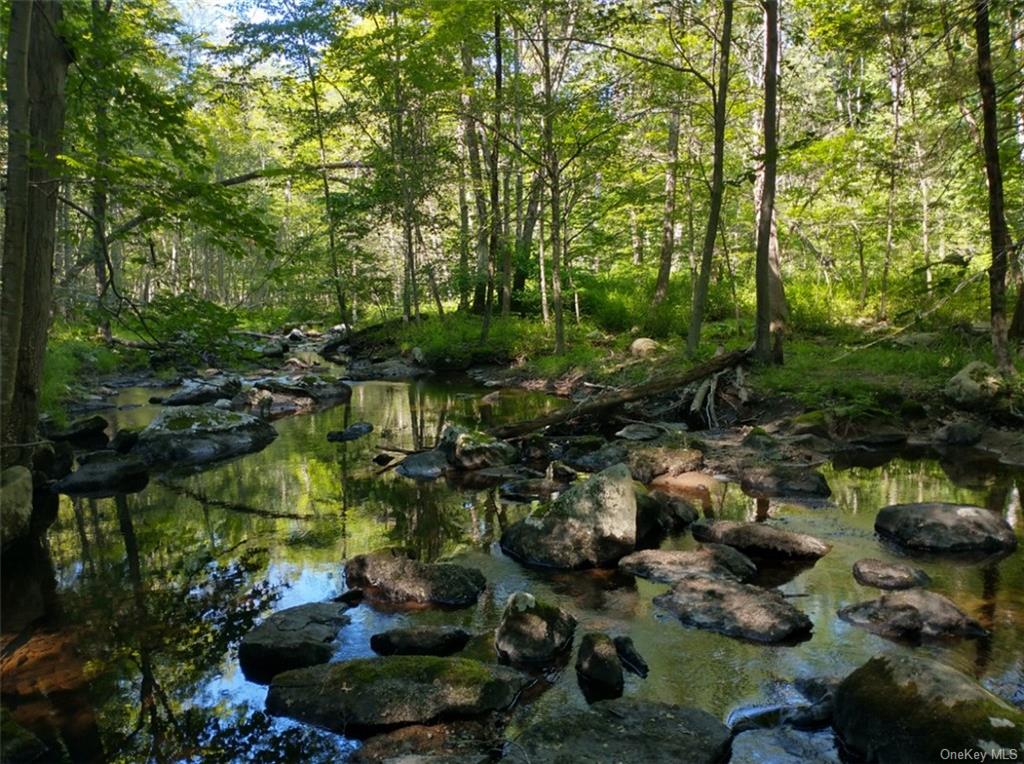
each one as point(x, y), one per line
point(623, 730)
point(735, 609)
point(630, 657)
point(190, 435)
point(785, 481)
point(760, 540)
point(104, 473)
point(900, 708)
point(389, 575)
point(669, 565)
point(368, 695)
point(888, 575)
point(426, 465)
point(196, 391)
point(598, 668)
point(475, 450)
point(592, 524)
point(352, 432)
point(532, 631)
point(420, 640)
point(784, 745)
point(912, 614)
point(946, 528)
point(292, 638)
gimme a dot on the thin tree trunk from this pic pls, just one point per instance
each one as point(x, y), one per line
point(554, 183)
point(495, 245)
point(545, 313)
point(99, 19)
point(896, 88)
point(634, 233)
point(763, 337)
point(463, 240)
point(668, 219)
point(999, 233)
point(476, 176)
point(700, 292)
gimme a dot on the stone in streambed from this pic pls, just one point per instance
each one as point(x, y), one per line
point(768, 482)
point(352, 432)
point(88, 432)
point(292, 638)
point(532, 632)
point(361, 697)
point(760, 540)
point(598, 668)
point(104, 473)
point(912, 614)
point(390, 575)
point(189, 435)
point(888, 575)
point(669, 565)
point(420, 640)
point(473, 450)
point(946, 528)
point(426, 465)
point(630, 657)
point(196, 391)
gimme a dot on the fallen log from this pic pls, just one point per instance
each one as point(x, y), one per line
point(600, 403)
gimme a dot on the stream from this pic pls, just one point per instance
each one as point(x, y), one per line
point(134, 611)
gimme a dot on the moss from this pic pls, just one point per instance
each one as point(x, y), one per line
point(421, 669)
point(817, 417)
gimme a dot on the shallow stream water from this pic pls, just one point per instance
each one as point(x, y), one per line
point(128, 623)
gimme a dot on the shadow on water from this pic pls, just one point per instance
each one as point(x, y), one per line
point(120, 628)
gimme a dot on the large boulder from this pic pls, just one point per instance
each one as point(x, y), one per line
point(425, 465)
point(911, 615)
point(592, 524)
point(390, 575)
point(15, 504)
point(87, 432)
point(105, 473)
point(735, 609)
point(905, 708)
point(646, 461)
point(975, 386)
point(598, 668)
point(888, 575)
point(670, 565)
point(474, 450)
point(760, 540)
point(391, 369)
point(290, 639)
point(623, 730)
point(319, 388)
point(368, 695)
point(768, 482)
point(189, 435)
point(420, 640)
point(532, 631)
point(643, 347)
point(196, 391)
point(946, 528)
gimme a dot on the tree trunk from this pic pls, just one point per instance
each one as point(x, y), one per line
point(700, 292)
point(668, 219)
point(524, 237)
point(998, 232)
point(36, 68)
point(896, 88)
point(463, 240)
point(100, 17)
point(553, 168)
point(763, 338)
point(477, 177)
point(495, 245)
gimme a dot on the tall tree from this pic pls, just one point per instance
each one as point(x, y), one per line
point(553, 169)
point(668, 222)
point(496, 238)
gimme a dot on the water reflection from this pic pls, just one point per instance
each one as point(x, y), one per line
point(147, 595)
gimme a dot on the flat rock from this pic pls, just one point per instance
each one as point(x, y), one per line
point(901, 707)
point(532, 632)
point(474, 450)
point(659, 513)
point(392, 369)
point(292, 638)
point(196, 391)
point(784, 745)
point(912, 614)
point(420, 640)
point(426, 465)
point(888, 575)
point(389, 575)
point(735, 609)
point(769, 482)
point(639, 431)
point(623, 730)
point(189, 435)
point(760, 540)
point(946, 528)
point(598, 668)
point(369, 695)
point(104, 473)
point(90, 431)
point(669, 565)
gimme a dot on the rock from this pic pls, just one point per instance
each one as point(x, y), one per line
point(320, 389)
point(888, 575)
point(352, 432)
point(295, 335)
point(911, 615)
point(426, 465)
point(585, 459)
point(418, 356)
point(623, 730)
point(917, 339)
point(630, 657)
point(52, 461)
point(659, 514)
point(224, 404)
point(760, 540)
point(643, 347)
point(382, 460)
point(647, 461)
point(532, 631)
point(905, 708)
point(124, 440)
point(195, 391)
point(529, 489)
point(880, 437)
point(669, 565)
point(735, 609)
point(592, 524)
point(105, 473)
point(273, 349)
point(783, 481)
point(475, 450)
point(976, 386)
point(959, 434)
point(392, 369)
point(639, 431)
point(15, 504)
point(598, 669)
point(189, 435)
point(784, 745)
point(946, 528)
point(89, 432)
point(18, 745)
point(420, 640)
point(391, 576)
point(290, 639)
point(817, 423)
point(368, 695)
